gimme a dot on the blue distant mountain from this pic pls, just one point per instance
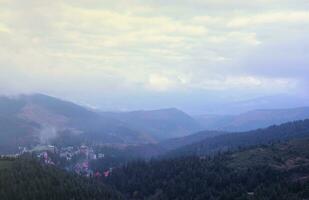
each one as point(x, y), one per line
point(28, 120)
point(252, 119)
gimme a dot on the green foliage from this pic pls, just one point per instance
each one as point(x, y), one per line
point(5, 163)
point(15, 132)
point(245, 174)
point(28, 180)
point(232, 141)
point(284, 155)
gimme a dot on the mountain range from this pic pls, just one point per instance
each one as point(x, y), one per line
point(212, 142)
point(253, 119)
point(231, 141)
point(162, 124)
point(265, 163)
point(28, 120)
point(33, 119)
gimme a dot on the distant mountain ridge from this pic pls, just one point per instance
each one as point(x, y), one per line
point(28, 120)
point(211, 142)
point(253, 119)
point(230, 141)
point(278, 101)
point(161, 124)
point(31, 119)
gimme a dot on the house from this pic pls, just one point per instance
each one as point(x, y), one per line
point(100, 155)
point(42, 148)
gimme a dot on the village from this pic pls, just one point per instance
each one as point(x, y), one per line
point(71, 158)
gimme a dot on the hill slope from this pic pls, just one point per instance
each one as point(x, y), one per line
point(28, 180)
point(32, 119)
point(165, 146)
point(291, 130)
point(278, 172)
point(210, 142)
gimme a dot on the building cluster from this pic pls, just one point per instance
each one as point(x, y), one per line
point(42, 152)
point(82, 168)
point(45, 158)
point(82, 156)
point(21, 150)
point(69, 152)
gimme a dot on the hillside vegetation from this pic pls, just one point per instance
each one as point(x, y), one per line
point(28, 180)
point(224, 142)
point(278, 172)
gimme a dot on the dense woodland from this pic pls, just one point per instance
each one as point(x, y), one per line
point(232, 141)
point(209, 142)
point(206, 165)
point(27, 179)
point(265, 172)
point(274, 171)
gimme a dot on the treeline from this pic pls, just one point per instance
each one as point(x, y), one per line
point(27, 179)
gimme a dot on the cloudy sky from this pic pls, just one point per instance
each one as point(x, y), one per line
point(134, 54)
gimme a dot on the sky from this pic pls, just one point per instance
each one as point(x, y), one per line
point(147, 54)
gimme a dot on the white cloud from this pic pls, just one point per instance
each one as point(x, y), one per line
point(4, 28)
point(298, 17)
point(81, 46)
point(159, 82)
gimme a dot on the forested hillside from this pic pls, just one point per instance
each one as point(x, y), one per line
point(290, 130)
point(211, 142)
point(28, 180)
point(278, 172)
point(208, 142)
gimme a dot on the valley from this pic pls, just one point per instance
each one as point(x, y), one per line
point(154, 100)
point(128, 155)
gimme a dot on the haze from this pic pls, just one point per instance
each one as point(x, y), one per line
point(128, 54)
